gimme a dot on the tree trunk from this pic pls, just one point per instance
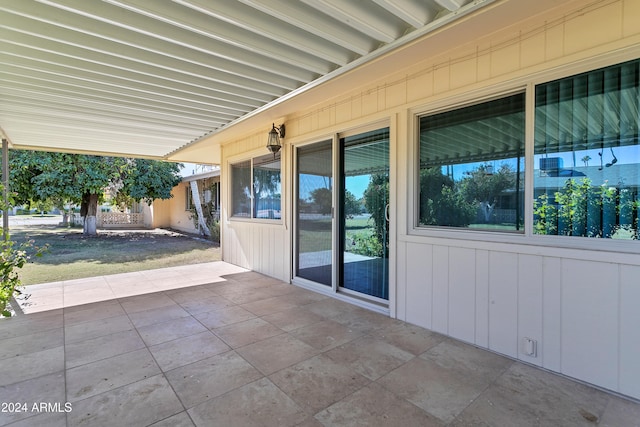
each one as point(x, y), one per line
point(89, 210)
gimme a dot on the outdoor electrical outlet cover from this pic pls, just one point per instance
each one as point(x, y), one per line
point(530, 347)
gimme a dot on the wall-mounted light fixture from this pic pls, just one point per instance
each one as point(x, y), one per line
point(273, 143)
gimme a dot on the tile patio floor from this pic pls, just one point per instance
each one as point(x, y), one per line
point(215, 345)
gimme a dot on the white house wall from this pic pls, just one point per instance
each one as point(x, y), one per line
point(580, 305)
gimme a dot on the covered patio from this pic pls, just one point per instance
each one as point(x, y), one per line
point(220, 345)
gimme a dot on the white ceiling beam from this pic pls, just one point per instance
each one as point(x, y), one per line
point(23, 45)
point(239, 42)
point(452, 5)
point(34, 81)
point(145, 23)
point(101, 36)
point(416, 13)
point(308, 19)
point(366, 20)
point(95, 74)
point(266, 26)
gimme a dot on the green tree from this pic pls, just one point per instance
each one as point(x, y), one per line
point(483, 186)
point(322, 199)
point(440, 201)
point(376, 198)
point(352, 206)
point(82, 180)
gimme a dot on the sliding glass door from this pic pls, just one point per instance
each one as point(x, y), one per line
point(314, 213)
point(364, 219)
point(342, 214)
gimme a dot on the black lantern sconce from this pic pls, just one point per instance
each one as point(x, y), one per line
point(273, 143)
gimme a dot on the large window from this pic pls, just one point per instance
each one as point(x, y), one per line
point(472, 166)
point(587, 154)
point(255, 188)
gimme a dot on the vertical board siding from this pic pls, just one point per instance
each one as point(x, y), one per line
point(482, 298)
point(419, 284)
point(530, 305)
point(462, 294)
point(503, 303)
point(630, 330)
point(590, 310)
point(551, 351)
point(440, 277)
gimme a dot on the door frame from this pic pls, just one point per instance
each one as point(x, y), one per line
point(335, 290)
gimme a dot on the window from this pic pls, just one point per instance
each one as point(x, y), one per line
point(587, 154)
point(256, 188)
point(471, 172)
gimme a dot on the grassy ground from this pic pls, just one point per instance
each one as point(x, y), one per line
point(73, 256)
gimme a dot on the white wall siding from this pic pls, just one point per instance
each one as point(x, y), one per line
point(583, 314)
point(258, 247)
point(503, 302)
point(590, 309)
point(419, 293)
point(630, 330)
point(530, 305)
point(462, 294)
point(440, 302)
point(550, 349)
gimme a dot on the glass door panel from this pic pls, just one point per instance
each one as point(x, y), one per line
point(314, 213)
point(364, 219)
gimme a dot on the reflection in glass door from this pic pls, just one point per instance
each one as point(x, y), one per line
point(314, 213)
point(364, 219)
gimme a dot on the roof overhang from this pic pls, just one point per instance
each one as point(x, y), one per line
point(174, 80)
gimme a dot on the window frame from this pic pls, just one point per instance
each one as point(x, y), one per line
point(526, 84)
point(252, 198)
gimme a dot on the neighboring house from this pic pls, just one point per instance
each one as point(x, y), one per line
point(494, 87)
point(178, 212)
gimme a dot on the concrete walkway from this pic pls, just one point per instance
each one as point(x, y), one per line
point(216, 345)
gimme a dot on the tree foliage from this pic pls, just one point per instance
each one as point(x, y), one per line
point(77, 179)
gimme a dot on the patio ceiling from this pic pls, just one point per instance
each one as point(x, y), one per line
point(146, 78)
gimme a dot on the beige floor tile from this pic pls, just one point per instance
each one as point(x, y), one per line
point(144, 302)
point(92, 312)
point(620, 412)
point(223, 317)
point(31, 365)
point(97, 328)
point(189, 294)
point(318, 382)
point(246, 297)
point(293, 319)
point(247, 332)
point(157, 315)
point(179, 420)
point(275, 353)
point(46, 388)
point(138, 404)
point(326, 334)
point(373, 406)
point(170, 330)
point(411, 338)
point(44, 419)
point(87, 351)
point(208, 378)
point(268, 306)
point(541, 399)
point(370, 357)
point(260, 403)
point(30, 324)
point(107, 374)
point(201, 305)
point(441, 391)
point(31, 343)
point(183, 351)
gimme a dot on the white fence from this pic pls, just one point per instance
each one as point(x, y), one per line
point(114, 220)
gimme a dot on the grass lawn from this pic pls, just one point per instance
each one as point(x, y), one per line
point(73, 256)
